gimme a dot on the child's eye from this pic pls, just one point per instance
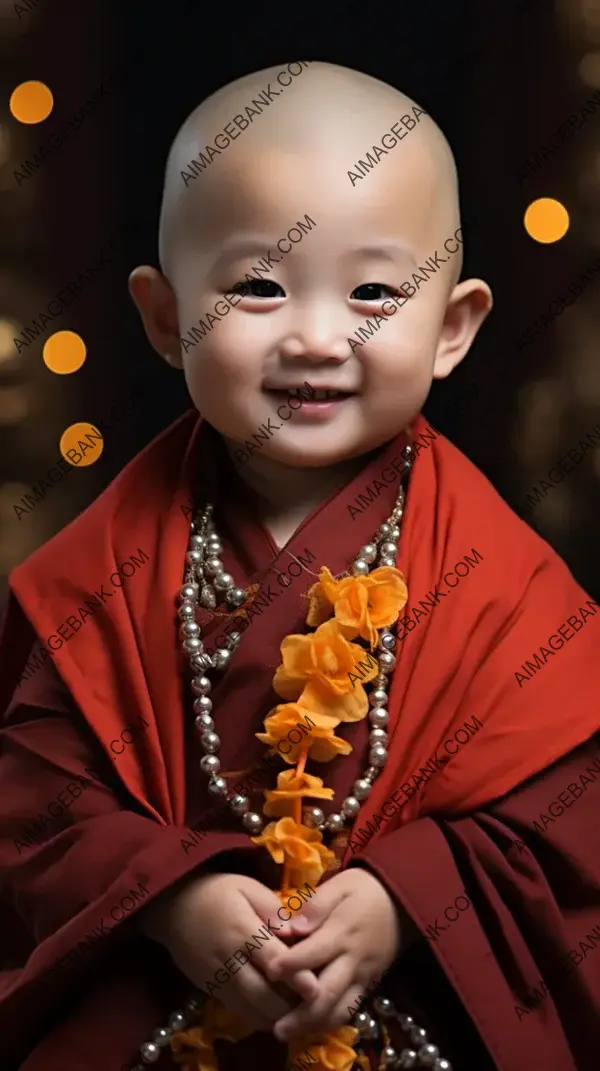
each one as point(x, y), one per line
point(261, 288)
point(372, 292)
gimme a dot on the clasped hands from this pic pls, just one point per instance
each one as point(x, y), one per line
point(349, 932)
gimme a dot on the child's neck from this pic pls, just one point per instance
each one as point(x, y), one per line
point(286, 496)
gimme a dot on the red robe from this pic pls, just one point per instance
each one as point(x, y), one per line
point(492, 730)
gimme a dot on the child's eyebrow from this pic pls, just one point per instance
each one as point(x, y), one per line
point(386, 251)
point(247, 247)
point(243, 247)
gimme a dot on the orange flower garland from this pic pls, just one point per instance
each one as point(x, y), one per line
point(314, 680)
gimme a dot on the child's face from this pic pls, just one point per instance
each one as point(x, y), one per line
point(296, 322)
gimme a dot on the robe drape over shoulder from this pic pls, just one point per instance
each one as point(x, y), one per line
point(493, 728)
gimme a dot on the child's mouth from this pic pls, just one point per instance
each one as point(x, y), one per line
point(312, 402)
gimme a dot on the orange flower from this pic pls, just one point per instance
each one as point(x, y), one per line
point(200, 1058)
point(299, 847)
point(284, 719)
point(353, 706)
point(362, 604)
point(290, 787)
point(334, 1052)
point(322, 743)
point(320, 609)
point(324, 657)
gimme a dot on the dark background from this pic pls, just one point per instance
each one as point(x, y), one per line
point(498, 77)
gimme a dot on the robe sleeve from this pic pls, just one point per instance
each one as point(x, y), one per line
point(72, 883)
point(509, 911)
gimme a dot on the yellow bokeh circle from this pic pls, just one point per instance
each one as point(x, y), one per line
point(81, 444)
point(64, 352)
point(31, 102)
point(546, 220)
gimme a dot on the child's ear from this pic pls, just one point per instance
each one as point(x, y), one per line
point(469, 304)
point(156, 303)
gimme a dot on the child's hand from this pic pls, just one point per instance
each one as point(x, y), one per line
point(355, 928)
point(210, 919)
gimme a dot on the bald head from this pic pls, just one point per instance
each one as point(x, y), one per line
point(304, 113)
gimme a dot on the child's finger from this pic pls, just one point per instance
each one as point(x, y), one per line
point(335, 980)
point(305, 983)
point(314, 951)
point(251, 996)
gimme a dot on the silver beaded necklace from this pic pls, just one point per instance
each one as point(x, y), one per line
point(205, 579)
point(205, 582)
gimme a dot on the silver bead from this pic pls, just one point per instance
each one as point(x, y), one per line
point(210, 742)
point(161, 1037)
point(177, 1021)
point(236, 597)
point(371, 773)
point(335, 822)
point(214, 567)
point(192, 1006)
point(350, 807)
point(360, 567)
point(203, 705)
point(378, 755)
point(386, 661)
point(214, 546)
point(380, 684)
point(222, 658)
point(201, 686)
point(406, 1021)
point(418, 1036)
point(384, 1007)
point(373, 1030)
point(378, 717)
point(442, 1065)
point(218, 786)
point(388, 561)
point(197, 542)
point(387, 641)
point(192, 645)
point(389, 549)
point(186, 611)
point(210, 764)
point(239, 804)
point(378, 736)
point(233, 639)
point(223, 581)
point(252, 822)
point(189, 628)
point(194, 557)
point(208, 599)
point(395, 533)
point(150, 1052)
point(314, 817)
point(389, 1056)
point(202, 662)
point(361, 788)
point(188, 591)
point(378, 697)
point(368, 552)
point(203, 722)
point(428, 1054)
point(385, 530)
point(361, 1022)
point(407, 1059)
